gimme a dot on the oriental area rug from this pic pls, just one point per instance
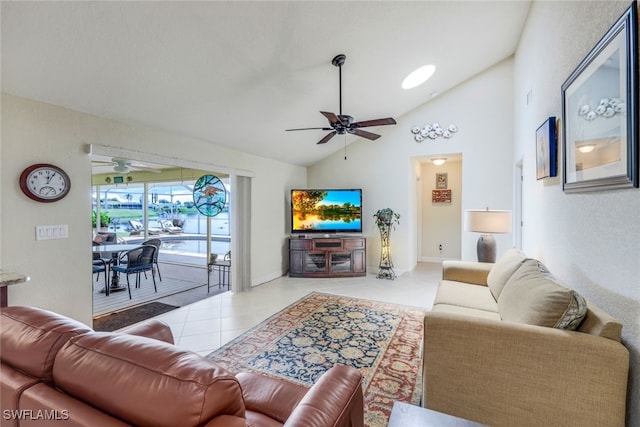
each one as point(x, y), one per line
point(301, 342)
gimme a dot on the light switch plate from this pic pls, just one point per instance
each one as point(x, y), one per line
point(48, 232)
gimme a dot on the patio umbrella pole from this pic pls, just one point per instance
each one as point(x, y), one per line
point(98, 221)
point(208, 257)
point(145, 210)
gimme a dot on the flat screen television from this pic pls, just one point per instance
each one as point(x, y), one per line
point(326, 211)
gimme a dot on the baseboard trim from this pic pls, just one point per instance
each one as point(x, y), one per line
point(431, 259)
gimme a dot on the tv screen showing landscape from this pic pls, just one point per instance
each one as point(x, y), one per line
point(326, 211)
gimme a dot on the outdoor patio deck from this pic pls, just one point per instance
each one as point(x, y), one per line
point(184, 280)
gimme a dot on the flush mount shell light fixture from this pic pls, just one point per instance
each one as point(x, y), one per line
point(439, 161)
point(419, 76)
point(433, 131)
point(586, 148)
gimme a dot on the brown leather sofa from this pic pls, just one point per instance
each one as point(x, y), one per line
point(56, 371)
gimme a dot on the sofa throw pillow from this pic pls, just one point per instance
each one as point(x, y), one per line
point(503, 269)
point(534, 296)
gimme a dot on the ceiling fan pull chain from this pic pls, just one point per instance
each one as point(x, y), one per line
point(345, 146)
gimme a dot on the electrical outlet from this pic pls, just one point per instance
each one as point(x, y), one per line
point(440, 247)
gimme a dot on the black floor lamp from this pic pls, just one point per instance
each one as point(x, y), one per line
point(488, 222)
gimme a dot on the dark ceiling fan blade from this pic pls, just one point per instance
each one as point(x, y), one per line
point(377, 122)
point(333, 119)
point(287, 130)
point(327, 137)
point(363, 133)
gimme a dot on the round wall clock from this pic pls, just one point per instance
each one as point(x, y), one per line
point(44, 182)
point(209, 195)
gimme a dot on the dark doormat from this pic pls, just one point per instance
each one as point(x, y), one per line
point(128, 317)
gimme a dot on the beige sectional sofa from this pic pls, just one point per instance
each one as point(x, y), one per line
point(507, 344)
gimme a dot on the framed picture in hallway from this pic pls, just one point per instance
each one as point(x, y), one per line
point(440, 196)
point(547, 149)
point(600, 113)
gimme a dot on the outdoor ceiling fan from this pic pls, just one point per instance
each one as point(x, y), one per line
point(122, 165)
point(341, 124)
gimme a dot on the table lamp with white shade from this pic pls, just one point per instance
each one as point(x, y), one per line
point(488, 222)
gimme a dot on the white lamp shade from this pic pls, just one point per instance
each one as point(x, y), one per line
point(486, 221)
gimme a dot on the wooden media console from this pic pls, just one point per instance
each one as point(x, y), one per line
point(327, 256)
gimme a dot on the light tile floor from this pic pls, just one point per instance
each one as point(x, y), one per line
point(210, 323)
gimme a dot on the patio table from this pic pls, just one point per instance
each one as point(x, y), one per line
point(115, 251)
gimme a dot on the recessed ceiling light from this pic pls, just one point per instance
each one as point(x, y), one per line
point(419, 76)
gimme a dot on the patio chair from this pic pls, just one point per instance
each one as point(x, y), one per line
point(101, 266)
point(168, 227)
point(138, 260)
point(156, 243)
point(136, 228)
point(105, 238)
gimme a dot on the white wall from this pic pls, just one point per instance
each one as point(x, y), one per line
point(34, 132)
point(589, 240)
point(387, 169)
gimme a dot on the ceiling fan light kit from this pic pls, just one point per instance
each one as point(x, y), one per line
point(122, 165)
point(341, 124)
point(433, 131)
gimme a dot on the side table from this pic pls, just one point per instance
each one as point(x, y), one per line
point(224, 272)
point(406, 415)
point(8, 278)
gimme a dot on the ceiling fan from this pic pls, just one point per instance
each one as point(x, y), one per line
point(122, 165)
point(342, 123)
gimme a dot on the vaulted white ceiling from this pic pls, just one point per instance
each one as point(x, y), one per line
point(238, 73)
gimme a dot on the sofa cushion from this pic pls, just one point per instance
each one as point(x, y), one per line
point(146, 382)
point(465, 295)
point(600, 323)
point(466, 271)
point(503, 269)
point(152, 328)
point(30, 338)
point(51, 407)
point(466, 311)
point(13, 384)
point(534, 296)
